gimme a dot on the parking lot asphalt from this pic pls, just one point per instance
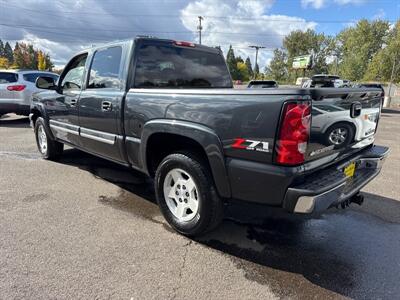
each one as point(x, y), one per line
point(87, 228)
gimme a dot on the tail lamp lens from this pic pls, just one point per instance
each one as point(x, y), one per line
point(16, 88)
point(294, 133)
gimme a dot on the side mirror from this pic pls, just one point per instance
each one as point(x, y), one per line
point(46, 83)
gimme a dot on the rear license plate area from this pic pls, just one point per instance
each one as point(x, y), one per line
point(350, 170)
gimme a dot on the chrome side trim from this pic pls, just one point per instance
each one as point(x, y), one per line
point(64, 125)
point(99, 136)
point(59, 128)
point(96, 135)
point(133, 139)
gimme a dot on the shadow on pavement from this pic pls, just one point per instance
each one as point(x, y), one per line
point(14, 122)
point(354, 253)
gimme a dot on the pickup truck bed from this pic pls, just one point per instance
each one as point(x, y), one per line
point(300, 149)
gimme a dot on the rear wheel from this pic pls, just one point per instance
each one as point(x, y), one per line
point(49, 148)
point(186, 194)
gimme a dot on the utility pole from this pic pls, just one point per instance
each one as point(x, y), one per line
point(255, 65)
point(200, 28)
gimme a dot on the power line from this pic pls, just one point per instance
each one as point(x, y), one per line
point(135, 31)
point(269, 18)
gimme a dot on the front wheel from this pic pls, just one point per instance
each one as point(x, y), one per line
point(49, 148)
point(186, 194)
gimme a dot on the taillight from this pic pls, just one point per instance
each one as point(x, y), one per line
point(16, 88)
point(294, 133)
point(184, 44)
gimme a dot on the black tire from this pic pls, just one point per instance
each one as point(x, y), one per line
point(54, 149)
point(210, 206)
point(349, 136)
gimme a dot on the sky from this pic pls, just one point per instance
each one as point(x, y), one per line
point(63, 27)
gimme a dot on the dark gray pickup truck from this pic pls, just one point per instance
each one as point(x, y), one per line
point(168, 109)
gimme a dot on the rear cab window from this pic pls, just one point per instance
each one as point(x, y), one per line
point(166, 65)
point(8, 77)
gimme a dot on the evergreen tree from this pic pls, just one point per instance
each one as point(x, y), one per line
point(48, 63)
point(232, 63)
point(8, 53)
point(249, 67)
point(1, 49)
point(32, 58)
point(239, 59)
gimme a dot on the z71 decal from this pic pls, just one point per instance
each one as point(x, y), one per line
point(240, 143)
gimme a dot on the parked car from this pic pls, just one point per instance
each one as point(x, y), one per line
point(300, 80)
point(337, 127)
point(16, 89)
point(369, 85)
point(323, 81)
point(168, 109)
point(346, 83)
point(262, 84)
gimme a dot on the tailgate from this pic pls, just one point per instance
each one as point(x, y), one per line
point(342, 120)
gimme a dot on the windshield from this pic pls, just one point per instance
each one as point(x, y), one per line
point(169, 66)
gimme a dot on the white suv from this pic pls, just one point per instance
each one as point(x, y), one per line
point(16, 89)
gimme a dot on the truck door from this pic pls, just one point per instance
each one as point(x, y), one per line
point(63, 108)
point(100, 104)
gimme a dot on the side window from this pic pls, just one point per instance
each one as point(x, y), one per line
point(104, 72)
point(31, 77)
point(73, 77)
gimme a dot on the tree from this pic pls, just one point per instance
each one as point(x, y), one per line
point(249, 67)
point(278, 68)
point(239, 59)
point(381, 66)
point(309, 42)
point(1, 49)
point(8, 52)
point(4, 63)
point(31, 61)
point(41, 61)
point(358, 45)
point(243, 73)
point(232, 63)
point(49, 64)
point(27, 57)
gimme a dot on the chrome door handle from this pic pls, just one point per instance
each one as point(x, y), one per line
point(73, 102)
point(106, 106)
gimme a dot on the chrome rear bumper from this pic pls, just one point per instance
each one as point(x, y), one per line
point(331, 187)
